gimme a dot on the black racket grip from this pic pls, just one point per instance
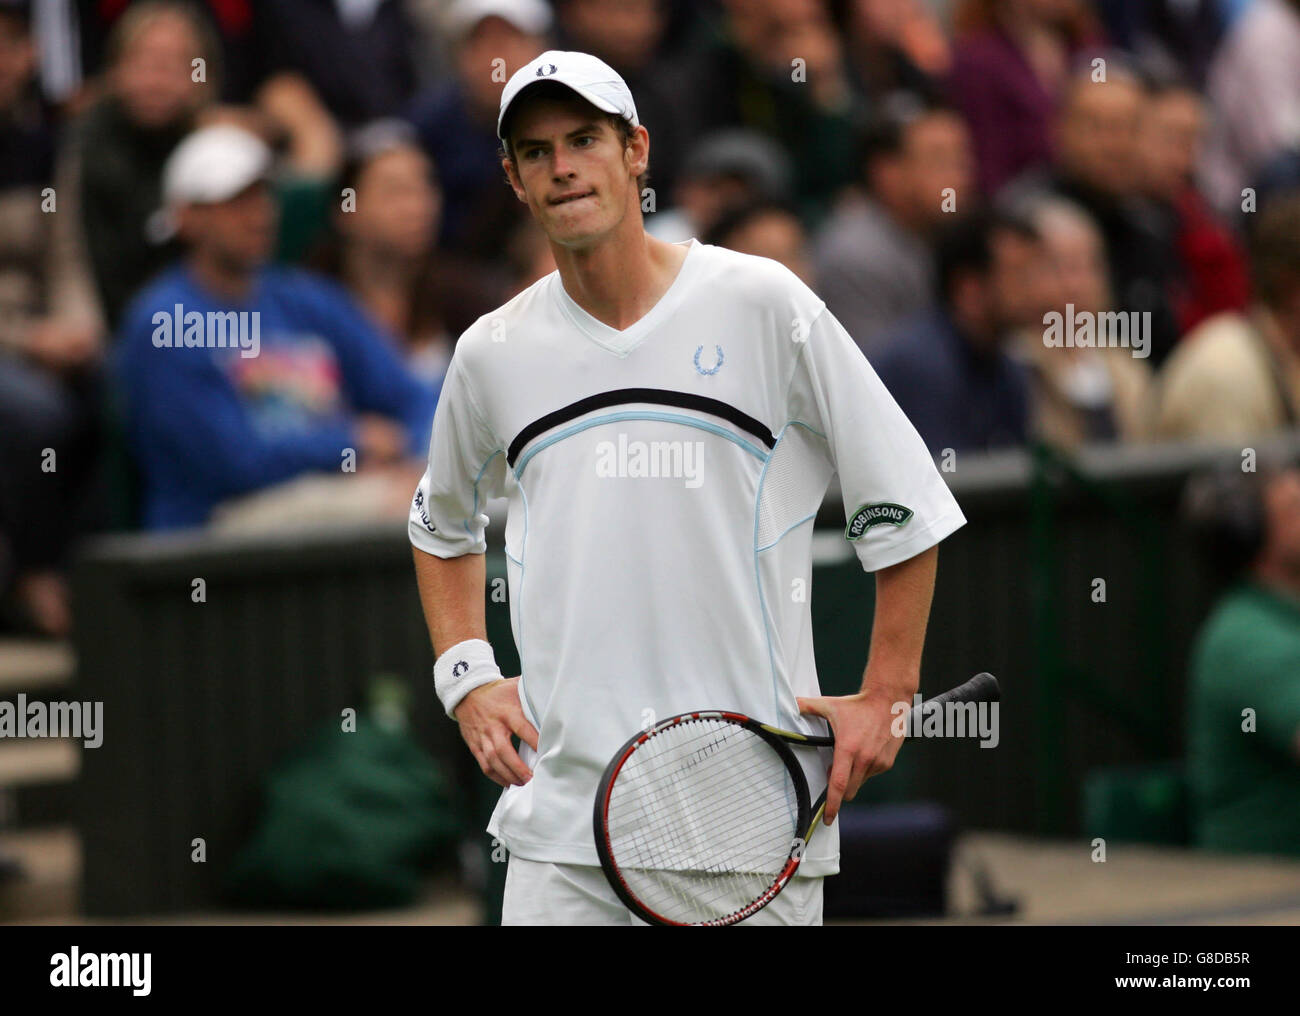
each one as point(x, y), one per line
point(983, 687)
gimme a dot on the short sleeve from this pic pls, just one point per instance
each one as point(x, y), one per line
point(895, 502)
point(466, 467)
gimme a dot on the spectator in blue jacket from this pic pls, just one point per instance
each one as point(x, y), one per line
point(240, 378)
point(948, 368)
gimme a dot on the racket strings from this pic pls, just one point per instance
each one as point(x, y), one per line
point(701, 819)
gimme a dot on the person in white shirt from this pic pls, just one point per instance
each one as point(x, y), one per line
point(664, 420)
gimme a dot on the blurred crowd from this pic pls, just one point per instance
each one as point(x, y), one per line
point(1040, 219)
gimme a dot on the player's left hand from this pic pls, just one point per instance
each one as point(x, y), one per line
point(864, 743)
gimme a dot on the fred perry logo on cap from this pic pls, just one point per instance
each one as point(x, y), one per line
point(874, 515)
point(546, 70)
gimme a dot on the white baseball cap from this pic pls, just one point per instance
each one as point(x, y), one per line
point(589, 76)
point(532, 17)
point(214, 164)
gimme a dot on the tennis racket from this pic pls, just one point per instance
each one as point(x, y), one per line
point(703, 818)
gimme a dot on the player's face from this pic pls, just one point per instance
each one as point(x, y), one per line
point(573, 170)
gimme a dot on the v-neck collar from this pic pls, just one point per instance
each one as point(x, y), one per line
point(622, 342)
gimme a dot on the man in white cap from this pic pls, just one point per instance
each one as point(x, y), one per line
point(239, 376)
point(664, 419)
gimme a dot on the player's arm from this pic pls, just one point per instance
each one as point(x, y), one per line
point(447, 529)
point(899, 509)
point(864, 741)
point(451, 593)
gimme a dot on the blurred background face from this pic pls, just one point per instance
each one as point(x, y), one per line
point(882, 20)
point(1020, 283)
point(579, 186)
point(1012, 294)
point(17, 60)
point(153, 76)
point(772, 32)
point(936, 154)
point(705, 198)
point(238, 234)
point(1282, 508)
point(398, 204)
point(1077, 260)
point(625, 33)
point(493, 39)
point(776, 235)
point(1041, 11)
point(1170, 136)
point(1098, 134)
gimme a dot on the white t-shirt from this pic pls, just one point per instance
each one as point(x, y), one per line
point(662, 482)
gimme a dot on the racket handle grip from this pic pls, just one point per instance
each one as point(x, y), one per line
point(983, 687)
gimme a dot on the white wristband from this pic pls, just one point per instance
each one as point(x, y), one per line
point(462, 668)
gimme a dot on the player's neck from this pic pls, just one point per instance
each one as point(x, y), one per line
point(619, 280)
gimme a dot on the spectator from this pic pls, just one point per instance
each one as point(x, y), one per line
point(277, 101)
point(292, 113)
point(1238, 375)
point(1254, 94)
point(48, 308)
point(50, 346)
point(1243, 736)
point(110, 174)
point(357, 56)
point(627, 35)
point(310, 382)
point(768, 229)
point(456, 120)
point(529, 255)
point(891, 46)
point(1211, 267)
point(949, 369)
point(1011, 65)
point(777, 67)
point(1082, 394)
point(723, 170)
point(1097, 167)
point(1181, 35)
point(382, 250)
point(873, 256)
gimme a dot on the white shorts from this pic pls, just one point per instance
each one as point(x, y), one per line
point(538, 892)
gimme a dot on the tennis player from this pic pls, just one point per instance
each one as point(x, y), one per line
point(664, 420)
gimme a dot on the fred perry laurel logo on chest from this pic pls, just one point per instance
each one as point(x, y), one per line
point(717, 361)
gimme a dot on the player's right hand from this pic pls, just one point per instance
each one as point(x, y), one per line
point(488, 716)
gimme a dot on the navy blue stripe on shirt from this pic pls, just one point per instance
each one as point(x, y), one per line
point(655, 396)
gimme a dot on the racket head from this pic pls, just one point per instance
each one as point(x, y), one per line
point(701, 819)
